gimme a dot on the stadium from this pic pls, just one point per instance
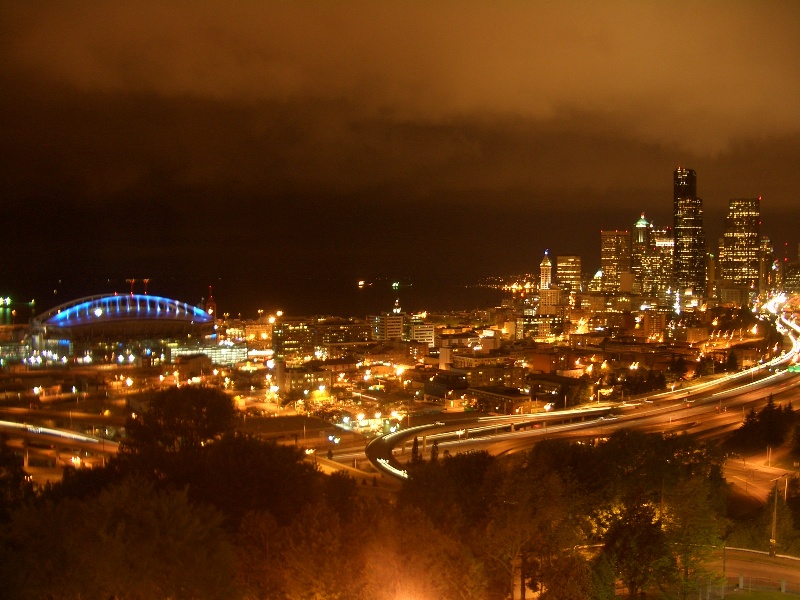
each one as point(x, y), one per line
point(108, 327)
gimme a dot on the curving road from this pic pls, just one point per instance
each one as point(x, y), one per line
point(707, 409)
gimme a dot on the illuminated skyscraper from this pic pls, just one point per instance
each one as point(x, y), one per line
point(615, 257)
point(545, 272)
point(690, 240)
point(739, 255)
point(640, 247)
point(657, 264)
point(568, 272)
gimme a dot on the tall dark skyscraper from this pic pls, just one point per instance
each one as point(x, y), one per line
point(689, 267)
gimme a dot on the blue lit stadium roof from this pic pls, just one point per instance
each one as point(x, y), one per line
point(126, 315)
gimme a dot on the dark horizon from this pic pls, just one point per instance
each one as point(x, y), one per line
point(471, 244)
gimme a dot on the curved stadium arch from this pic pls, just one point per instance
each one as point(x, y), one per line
point(123, 316)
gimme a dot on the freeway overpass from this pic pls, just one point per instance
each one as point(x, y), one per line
point(709, 408)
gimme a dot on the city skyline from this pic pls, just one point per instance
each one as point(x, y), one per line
point(266, 145)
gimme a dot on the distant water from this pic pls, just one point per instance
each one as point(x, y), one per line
point(348, 299)
point(328, 295)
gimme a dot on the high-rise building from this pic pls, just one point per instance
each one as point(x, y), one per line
point(640, 247)
point(568, 272)
point(657, 276)
point(766, 259)
point(615, 258)
point(690, 241)
point(739, 254)
point(551, 302)
point(545, 272)
point(388, 326)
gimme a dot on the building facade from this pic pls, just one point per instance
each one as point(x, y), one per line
point(568, 273)
point(739, 253)
point(545, 272)
point(640, 248)
point(690, 241)
point(615, 258)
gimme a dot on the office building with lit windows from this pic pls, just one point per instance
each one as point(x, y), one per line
point(657, 279)
point(615, 258)
point(640, 247)
point(568, 272)
point(690, 242)
point(739, 253)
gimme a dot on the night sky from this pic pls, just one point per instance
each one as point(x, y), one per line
point(262, 146)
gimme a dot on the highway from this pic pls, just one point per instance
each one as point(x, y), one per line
point(708, 409)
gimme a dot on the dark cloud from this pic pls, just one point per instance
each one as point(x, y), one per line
point(474, 134)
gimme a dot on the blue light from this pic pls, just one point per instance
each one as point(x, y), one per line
point(120, 307)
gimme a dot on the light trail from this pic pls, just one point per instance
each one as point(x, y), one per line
point(35, 429)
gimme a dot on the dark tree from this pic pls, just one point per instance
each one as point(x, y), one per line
point(452, 492)
point(770, 426)
point(795, 450)
point(602, 579)
point(416, 457)
point(435, 451)
point(317, 558)
point(568, 577)
point(637, 548)
point(339, 490)
point(528, 525)
point(180, 419)
point(260, 568)
point(678, 366)
point(397, 565)
point(240, 473)
point(131, 541)
point(693, 530)
point(15, 485)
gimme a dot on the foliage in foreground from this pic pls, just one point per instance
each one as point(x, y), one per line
point(231, 516)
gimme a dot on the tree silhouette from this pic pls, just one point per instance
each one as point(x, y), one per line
point(179, 419)
point(397, 565)
point(693, 531)
point(131, 541)
point(770, 426)
point(435, 451)
point(416, 457)
point(637, 548)
point(15, 486)
point(315, 562)
point(258, 556)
